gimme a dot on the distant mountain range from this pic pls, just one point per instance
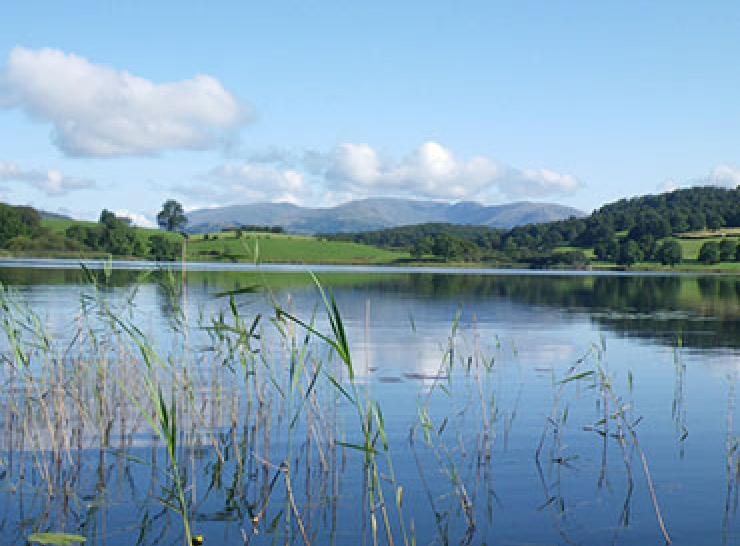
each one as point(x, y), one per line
point(45, 214)
point(372, 214)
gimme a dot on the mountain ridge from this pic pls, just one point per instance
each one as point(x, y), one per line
point(375, 213)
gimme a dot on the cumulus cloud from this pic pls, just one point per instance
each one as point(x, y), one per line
point(52, 182)
point(433, 171)
point(96, 110)
point(357, 170)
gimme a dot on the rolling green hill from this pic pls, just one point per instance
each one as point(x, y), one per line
point(282, 248)
point(624, 233)
point(60, 225)
point(227, 247)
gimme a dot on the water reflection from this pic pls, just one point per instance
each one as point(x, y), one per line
point(585, 410)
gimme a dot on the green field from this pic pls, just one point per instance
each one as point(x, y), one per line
point(711, 234)
point(282, 248)
point(588, 252)
point(691, 245)
point(267, 247)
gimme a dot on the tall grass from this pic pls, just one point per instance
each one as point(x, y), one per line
point(260, 419)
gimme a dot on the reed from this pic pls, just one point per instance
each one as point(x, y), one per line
point(260, 418)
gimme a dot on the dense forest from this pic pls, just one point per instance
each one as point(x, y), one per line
point(625, 232)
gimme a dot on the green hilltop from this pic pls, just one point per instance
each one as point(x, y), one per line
point(687, 227)
point(66, 238)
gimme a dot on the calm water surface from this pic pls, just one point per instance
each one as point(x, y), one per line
point(465, 406)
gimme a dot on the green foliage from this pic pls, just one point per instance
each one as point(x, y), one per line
point(164, 249)
point(629, 252)
point(709, 253)
point(15, 221)
point(254, 228)
point(606, 249)
point(645, 221)
point(111, 234)
point(575, 259)
point(454, 248)
point(727, 250)
point(172, 216)
point(44, 240)
point(422, 247)
point(670, 252)
point(406, 237)
point(107, 218)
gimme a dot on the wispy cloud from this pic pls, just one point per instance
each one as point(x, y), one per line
point(725, 175)
point(248, 182)
point(96, 110)
point(51, 182)
point(139, 219)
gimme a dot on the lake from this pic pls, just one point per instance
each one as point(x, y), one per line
point(454, 407)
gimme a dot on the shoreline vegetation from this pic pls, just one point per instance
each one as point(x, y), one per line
point(732, 268)
point(688, 230)
point(232, 247)
point(386, 259)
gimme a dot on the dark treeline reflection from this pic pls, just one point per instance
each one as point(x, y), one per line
point(704, 312)
point(32, 276)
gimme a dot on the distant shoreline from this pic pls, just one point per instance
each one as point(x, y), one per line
point(461, 268)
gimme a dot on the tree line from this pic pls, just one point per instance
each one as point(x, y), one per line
point(625, 232)
point(21, 229)
point(114, 235)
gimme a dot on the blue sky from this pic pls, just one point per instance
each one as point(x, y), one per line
point(123, 106)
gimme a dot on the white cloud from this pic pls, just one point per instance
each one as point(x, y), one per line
point(51, 182)
point(99, 111)
point(357, 163)
point(248, 182)
point(725, 175)
point(352, 171)
point(138, 219)
point(433, 171)
point(667, 186)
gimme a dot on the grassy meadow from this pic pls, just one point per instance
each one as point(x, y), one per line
point(60, 225)
point(285, 248)
point(271, 247)
point(692, 242)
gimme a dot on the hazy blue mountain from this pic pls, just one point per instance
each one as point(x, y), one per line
point(45, 214)
point(379, 213)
